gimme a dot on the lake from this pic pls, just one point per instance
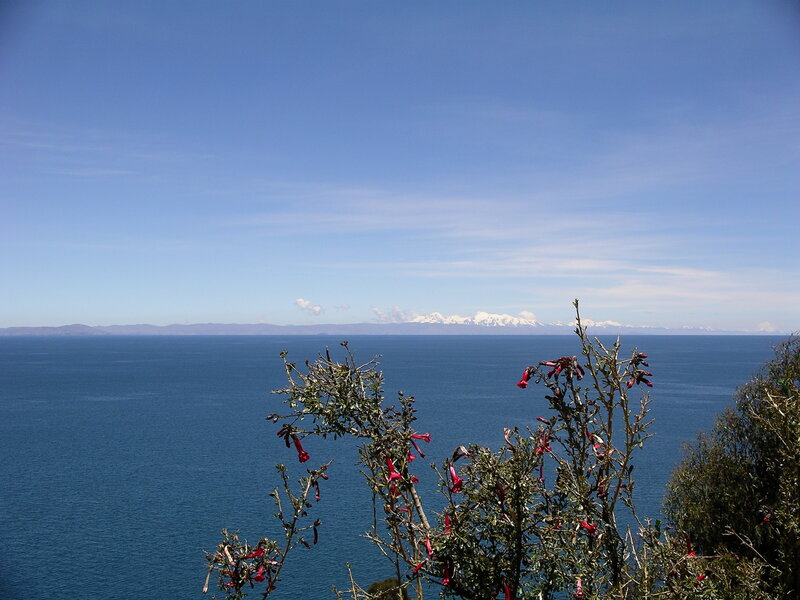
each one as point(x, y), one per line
point(122, 457)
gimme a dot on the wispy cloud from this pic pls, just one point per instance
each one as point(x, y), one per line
point(92, 172)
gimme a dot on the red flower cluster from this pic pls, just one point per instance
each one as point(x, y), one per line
point(640, 375)
point(544, 444)
point(560, 364)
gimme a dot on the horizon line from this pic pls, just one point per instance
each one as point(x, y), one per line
point(419, 328)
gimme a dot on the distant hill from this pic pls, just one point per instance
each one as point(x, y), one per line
point(406, 328)
point(62, 330)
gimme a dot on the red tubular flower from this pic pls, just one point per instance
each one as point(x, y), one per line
point(428, 547)
point(448, 573)
point(589, 527)
point(285, 432)
point(526, 376)
point(447, 525)
point(459, 452)
point(420, 452)
point(425, 437)
point(259, 576)
point(414, 479)
point(258, 552)
point(458, 483)
point(393, 475)
point(690, 553)
point(578, 368)
point(579, 588)
point(541, 472)
point(507, 593)
point(302, 455)
point(316, 492)
point(501, 493)
point(543, 420)
point(418, 567)
point(410, 457)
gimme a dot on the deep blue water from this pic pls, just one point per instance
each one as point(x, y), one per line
point(122, 457)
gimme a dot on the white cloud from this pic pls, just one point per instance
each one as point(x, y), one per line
point(395, 315)
point(343, 306)
point(313, 309)
point(767, 327)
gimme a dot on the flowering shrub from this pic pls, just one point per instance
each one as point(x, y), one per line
point(538, 518)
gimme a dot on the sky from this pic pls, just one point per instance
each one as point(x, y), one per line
point(337, 162)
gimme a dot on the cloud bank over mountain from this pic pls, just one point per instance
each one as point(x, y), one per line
point(523, 318)
point(396, 315)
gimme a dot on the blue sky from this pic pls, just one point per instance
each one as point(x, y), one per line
point(182, 162)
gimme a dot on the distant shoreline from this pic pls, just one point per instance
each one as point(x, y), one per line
point(353, 329)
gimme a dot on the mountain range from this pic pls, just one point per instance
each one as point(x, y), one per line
point(433, 324)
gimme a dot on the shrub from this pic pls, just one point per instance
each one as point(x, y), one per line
point(737, 489)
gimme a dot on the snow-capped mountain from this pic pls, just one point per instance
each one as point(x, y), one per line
point(480, 318)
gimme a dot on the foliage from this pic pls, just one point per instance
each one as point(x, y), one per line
point(542, 517)
point(388, 589)
point(737, 489)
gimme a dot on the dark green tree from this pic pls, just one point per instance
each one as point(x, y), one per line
point(737, 489)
